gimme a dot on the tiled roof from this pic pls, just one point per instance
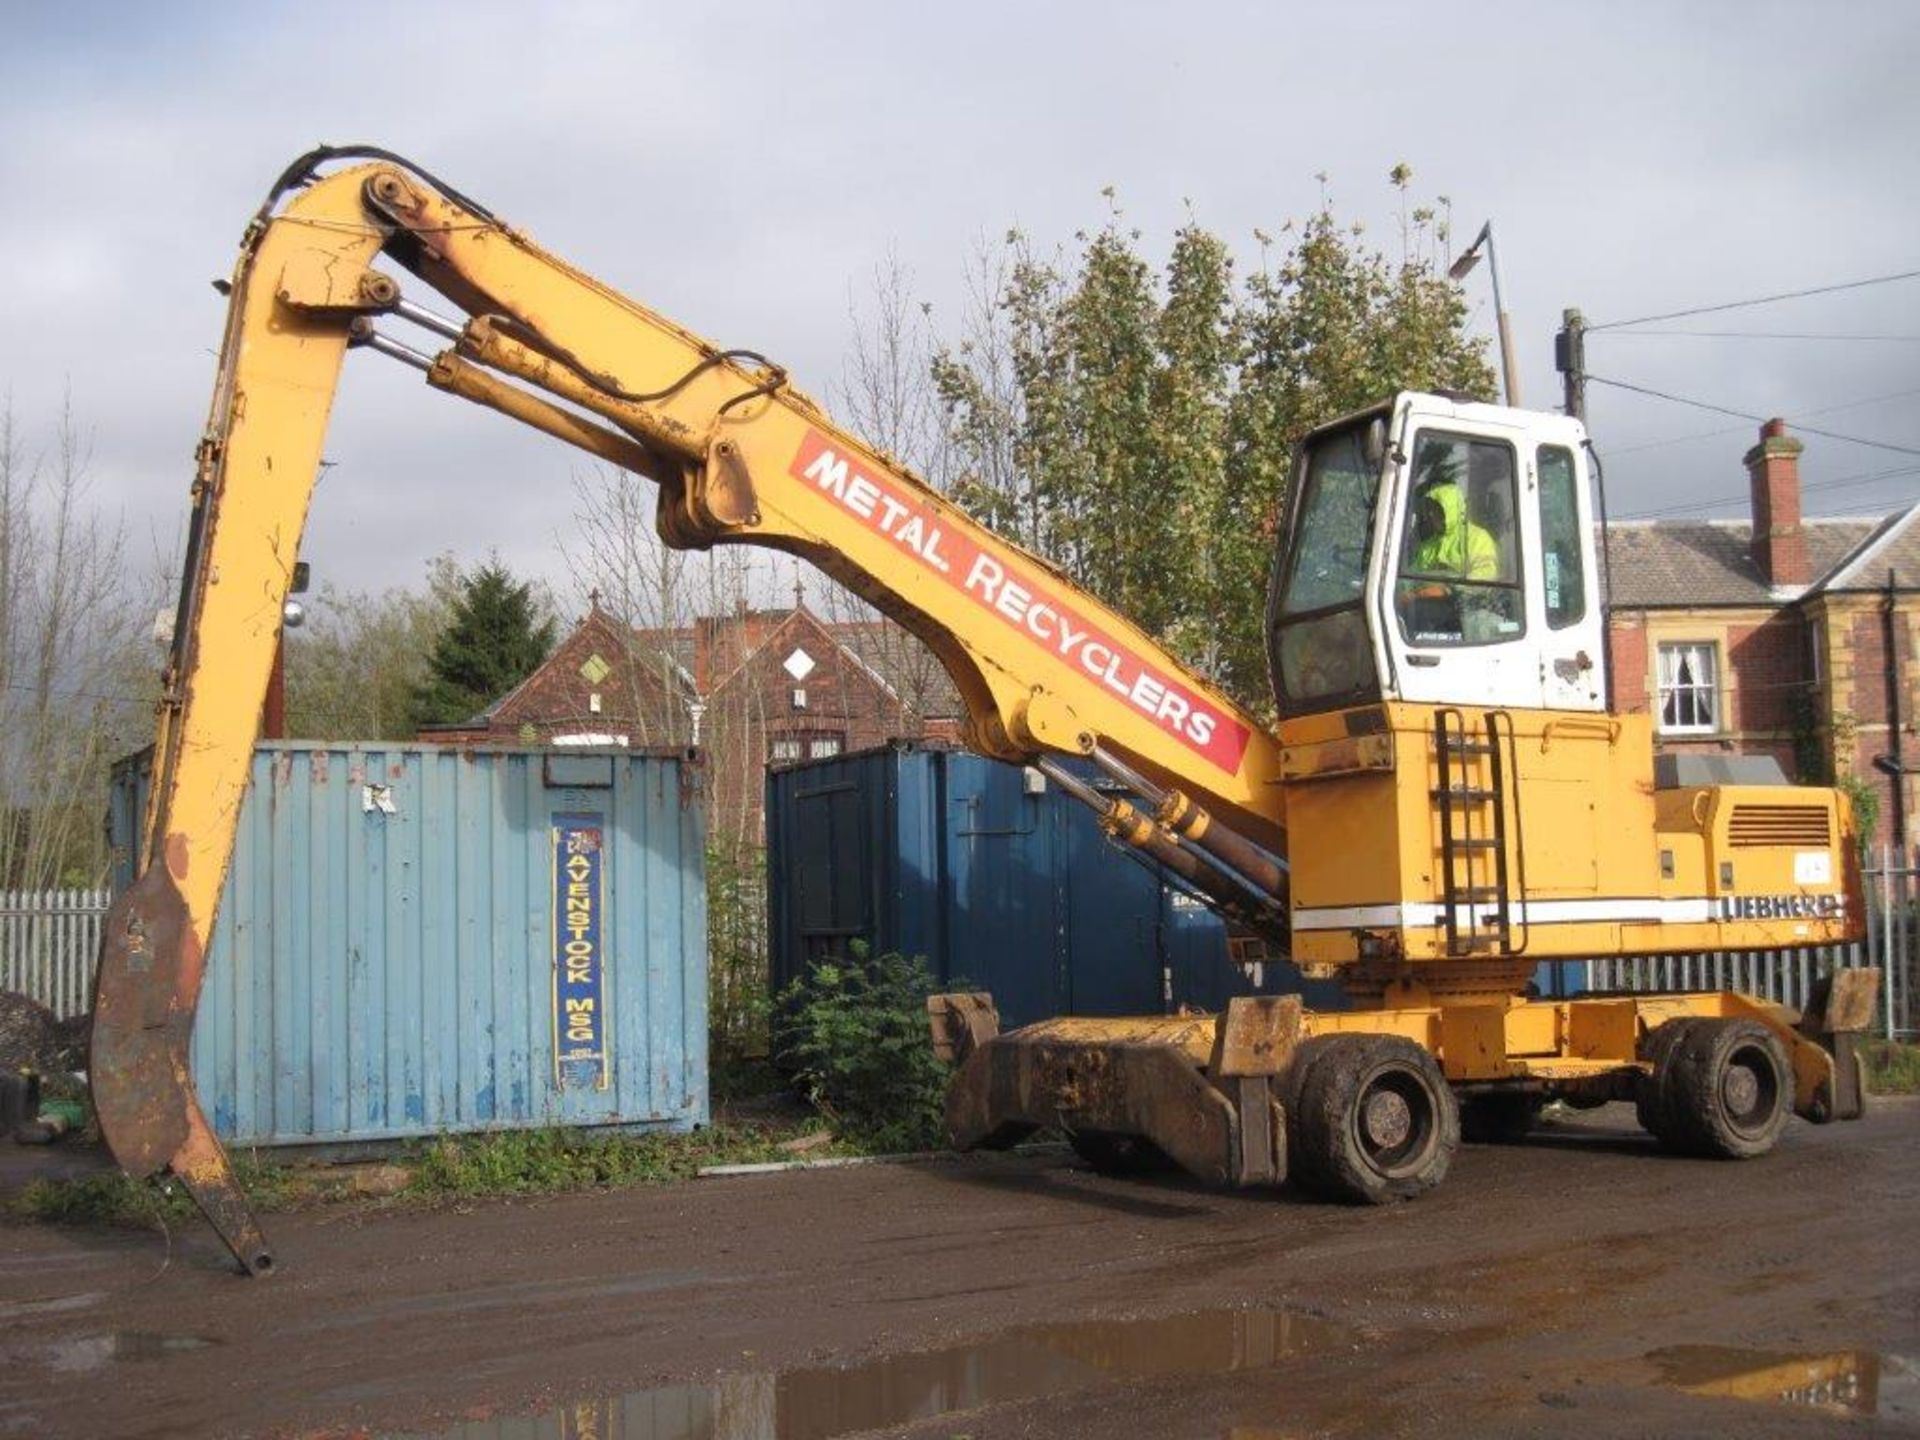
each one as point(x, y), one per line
point(1710, 562)
point(677, 643)
point(907, 667)
point(1893, 548)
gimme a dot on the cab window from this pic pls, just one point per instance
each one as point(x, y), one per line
point(1459, 579)
point(1320, 650)
point(1562, 573)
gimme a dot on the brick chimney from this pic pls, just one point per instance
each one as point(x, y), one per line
point(1779, 544)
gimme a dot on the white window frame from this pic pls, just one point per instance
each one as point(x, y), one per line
point(826, 745)
point(1708, 695)
point(785, 749)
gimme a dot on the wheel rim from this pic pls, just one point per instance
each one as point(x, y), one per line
point(1395, 1122)
point(1749, 1090)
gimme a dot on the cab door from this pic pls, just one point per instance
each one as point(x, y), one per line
point(1454, 609)
point(1567, 599)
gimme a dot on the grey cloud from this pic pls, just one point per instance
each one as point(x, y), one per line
point(739, 167)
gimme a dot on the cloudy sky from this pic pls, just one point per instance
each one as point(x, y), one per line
point(743, 167)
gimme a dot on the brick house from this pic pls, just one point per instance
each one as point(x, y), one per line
point(754, 688)
point(1770, 636)
point(598, 687)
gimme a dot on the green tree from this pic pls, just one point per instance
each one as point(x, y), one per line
point(1137, 430)
point(355, 667)
point(497, 632)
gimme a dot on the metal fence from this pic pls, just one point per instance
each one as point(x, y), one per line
point(49, 940)
point(1892, 946)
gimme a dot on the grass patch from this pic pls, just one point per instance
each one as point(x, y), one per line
point(111, 1198)
point(541, 1162)
point(1893, 1068)
point(463, 1167)
point(108, 1198)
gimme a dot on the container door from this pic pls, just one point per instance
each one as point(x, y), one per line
point(1004, 922)
point(1117, 964)
point(829, 873)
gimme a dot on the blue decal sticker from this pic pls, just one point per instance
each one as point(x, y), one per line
point(580, 1053)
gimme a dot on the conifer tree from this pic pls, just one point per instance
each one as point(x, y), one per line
point(495, 636)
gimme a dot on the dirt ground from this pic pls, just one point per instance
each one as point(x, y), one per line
point(1521, 1299)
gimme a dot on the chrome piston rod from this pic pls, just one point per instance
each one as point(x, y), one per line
point(1232, 892)
point(1266, 874)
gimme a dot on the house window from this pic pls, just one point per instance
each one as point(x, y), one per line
point(1689, 689)
point(819, 747)
point(785, 747)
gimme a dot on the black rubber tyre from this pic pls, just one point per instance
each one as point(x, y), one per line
point(1649, 1103)
point(1729, 1089)
point(1377, 1121)
point(1292, 1085)
point(1114, 1154)
point(1498, 1118)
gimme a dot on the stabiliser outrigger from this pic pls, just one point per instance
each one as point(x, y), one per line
point(1444, 802)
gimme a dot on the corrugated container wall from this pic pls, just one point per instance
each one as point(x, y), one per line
point(420, 939)
point(999, 880)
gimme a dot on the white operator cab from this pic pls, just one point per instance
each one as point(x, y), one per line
point(1439, 551)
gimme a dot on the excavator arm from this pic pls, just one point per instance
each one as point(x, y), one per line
point(739, 456)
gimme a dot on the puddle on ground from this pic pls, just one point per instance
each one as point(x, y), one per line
point(1852, 1382)
point(1021, 1364)
point(91, 1352)
point(17, 1309)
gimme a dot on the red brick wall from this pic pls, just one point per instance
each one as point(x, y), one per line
point(753, 706)
point(1763, 669)
point(1867, 642)
point(1766, 673)
point(557, 699)
point(636, 697)
point(1627, 638)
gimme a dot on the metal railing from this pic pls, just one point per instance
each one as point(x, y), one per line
point(49, 941)
point(1892, 947)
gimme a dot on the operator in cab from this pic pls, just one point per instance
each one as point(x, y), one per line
point(1456, 552)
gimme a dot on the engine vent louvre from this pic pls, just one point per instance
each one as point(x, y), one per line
point(1804, 827)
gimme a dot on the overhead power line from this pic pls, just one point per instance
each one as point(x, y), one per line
point(1748, 415)
point(1844, 482)
point(1757, 300)
point(1614, 451)
point(1761, 335)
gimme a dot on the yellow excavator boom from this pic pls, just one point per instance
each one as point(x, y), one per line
point(740, 457)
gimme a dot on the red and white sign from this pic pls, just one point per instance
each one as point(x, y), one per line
point(1025, 605)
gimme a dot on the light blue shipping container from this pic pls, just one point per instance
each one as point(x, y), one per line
point(423, 939)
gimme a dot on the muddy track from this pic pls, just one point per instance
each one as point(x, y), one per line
point(1519, 1299)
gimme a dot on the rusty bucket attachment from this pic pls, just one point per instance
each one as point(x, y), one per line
point(1203, 1090)
point(139, 1069)
point(1839, 1010)
point(961, 1023)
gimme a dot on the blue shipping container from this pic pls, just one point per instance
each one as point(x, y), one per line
point(999, 880)
point(422, 939)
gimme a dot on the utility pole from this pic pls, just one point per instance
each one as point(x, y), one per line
point(1570, 359)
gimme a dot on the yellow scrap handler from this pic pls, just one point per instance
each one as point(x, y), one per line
point(1445, 800)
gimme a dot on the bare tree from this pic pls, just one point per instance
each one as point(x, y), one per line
point(620, 564)
point(888, 397)
point(353, 668)
point(77, 676)
point(886, 393)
